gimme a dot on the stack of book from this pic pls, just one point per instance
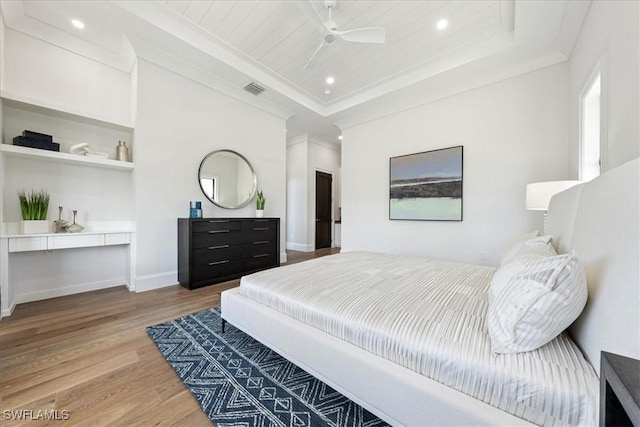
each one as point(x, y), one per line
point(36, 140)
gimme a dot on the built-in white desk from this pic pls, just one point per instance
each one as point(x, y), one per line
point(100, 234)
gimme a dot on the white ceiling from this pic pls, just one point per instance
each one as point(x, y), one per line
point(268, 41)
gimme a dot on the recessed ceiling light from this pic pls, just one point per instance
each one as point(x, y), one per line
point(340, 137)
point(327, 92)
point(78, 24)
point(442, 24)
point(330, 80)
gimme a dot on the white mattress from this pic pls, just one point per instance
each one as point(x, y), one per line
point(430, 316)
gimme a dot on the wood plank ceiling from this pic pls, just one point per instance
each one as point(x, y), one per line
point(279, 36)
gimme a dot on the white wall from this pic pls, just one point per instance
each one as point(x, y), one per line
point(297, 190)
point(305, 156)
point(609, 39)
point(179, 121)
point(45, 72)
point(514, 132)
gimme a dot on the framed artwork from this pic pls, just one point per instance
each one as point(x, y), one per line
point(426, 186)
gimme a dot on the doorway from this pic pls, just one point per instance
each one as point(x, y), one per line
point(323, 210)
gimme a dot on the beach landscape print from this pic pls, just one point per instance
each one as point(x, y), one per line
point(426, 186)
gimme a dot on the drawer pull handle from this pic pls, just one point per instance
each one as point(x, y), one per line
point(219, 262)
point(261, 242)
point(218, 220)
point(218, 247)
point(218, 231)
point(261, 229)
point(261, 220)
point(260, 256)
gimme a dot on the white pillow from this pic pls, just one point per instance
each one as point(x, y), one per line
point(539, 300)
point(528, 251)
point(515, 246)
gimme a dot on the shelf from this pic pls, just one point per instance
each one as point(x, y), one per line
point(34, 153)
point(34, 105)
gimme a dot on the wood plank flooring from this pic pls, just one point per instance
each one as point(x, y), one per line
point(87, 357)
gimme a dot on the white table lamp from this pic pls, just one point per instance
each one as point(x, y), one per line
point(539, 194)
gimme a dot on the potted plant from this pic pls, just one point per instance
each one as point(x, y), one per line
point(34, 207)
point(260, 199)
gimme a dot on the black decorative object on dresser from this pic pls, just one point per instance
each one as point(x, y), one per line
point(214, 250)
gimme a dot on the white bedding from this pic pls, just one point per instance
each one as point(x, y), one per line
point(430, 316)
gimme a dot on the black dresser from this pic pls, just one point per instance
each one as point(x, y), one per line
point(214, 250)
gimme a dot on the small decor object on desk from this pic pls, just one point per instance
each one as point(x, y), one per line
point(260, 199)
point(122, 151)
point(195, 209)
point(75, 227)
point(60, 225)
point(34, 207)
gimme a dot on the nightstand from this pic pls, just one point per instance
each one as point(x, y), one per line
point(619, 390)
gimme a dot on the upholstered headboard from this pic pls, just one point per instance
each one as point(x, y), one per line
point(599, 222)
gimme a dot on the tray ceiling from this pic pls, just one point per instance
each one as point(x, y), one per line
point(236, 42)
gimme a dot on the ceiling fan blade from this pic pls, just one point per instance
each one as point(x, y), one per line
point(316, 55)
point(311, 13)
point(363, 35)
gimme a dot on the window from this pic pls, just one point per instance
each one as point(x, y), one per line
point(590, 156)
point(208, 185)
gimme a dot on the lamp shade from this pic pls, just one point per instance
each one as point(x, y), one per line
point(539, 193)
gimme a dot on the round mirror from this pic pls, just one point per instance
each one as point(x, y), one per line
point(227, 179)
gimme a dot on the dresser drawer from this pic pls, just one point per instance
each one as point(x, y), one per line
point(205, 256)
point(215, 270)
point(213, 238)
point(259, 247)
point(216, 225)
point(259, 261)
point(259, 232)
point(261, 224)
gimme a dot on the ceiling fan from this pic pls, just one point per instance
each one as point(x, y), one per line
point(331, 34)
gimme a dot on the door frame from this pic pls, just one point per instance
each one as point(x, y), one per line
point(314, 216)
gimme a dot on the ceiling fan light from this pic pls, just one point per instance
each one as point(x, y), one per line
point(442, 24)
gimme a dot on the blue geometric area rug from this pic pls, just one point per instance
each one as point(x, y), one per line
point(239, 382)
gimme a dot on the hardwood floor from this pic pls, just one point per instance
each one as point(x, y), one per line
point(86, 358)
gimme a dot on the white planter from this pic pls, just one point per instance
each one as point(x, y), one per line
point(259, 213)
point(34, 227)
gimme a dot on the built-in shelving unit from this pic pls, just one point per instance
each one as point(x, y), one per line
point(100, 187)
point(34, 153)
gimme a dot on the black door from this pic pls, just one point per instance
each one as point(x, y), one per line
point(323, 210)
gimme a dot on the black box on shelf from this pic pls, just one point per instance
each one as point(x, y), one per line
point(37, 136)
point(36, 143)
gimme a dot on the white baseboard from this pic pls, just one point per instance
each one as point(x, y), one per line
point(156, 281)
point(9, 311)
point(299, 247)
point(283, 257)
point(68, 290)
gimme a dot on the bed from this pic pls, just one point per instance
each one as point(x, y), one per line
point(412, 371)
